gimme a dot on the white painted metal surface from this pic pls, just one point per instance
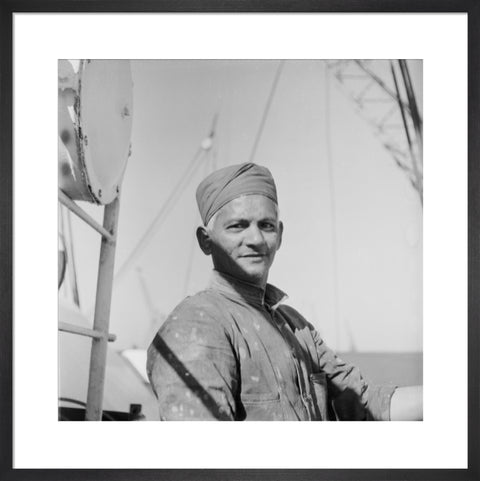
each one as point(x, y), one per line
point(95, 111)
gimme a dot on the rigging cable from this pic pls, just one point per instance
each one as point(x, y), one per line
point(381, 83)
point(153, 312)
point(417, 119)
point(417, 125)
point(417, 183)
point(168, 205)
point(333, 209)
point(212, 159)
point(164, 210)
point(267, 109)
point(191, 253)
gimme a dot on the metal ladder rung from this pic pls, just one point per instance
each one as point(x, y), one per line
point(70, 204)
point(84, 331)
point(103, 298)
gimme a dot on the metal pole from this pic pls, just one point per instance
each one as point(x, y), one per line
point(103, 299)
point(381, 83)
point(416, 172)
point(417, 121)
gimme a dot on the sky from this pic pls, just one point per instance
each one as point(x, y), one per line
point(351, 258)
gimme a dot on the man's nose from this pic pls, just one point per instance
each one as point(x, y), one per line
point(254, 235)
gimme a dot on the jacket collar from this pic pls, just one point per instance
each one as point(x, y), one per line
point(234, 288)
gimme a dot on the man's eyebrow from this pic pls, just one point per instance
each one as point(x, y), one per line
point(269, 219)
point(235, 219)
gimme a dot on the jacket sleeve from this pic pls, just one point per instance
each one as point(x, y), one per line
point(352, 398)
point(192, 367)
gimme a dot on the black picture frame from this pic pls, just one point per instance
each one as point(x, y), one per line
point(9, 7)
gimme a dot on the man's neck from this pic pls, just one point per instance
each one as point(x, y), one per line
point(252, 293)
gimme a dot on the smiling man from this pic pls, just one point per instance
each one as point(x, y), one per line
point(234, 351)
point(243, 237)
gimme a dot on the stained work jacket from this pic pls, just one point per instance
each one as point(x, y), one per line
point(234, 352)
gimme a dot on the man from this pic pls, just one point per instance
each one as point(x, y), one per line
point(234, 351)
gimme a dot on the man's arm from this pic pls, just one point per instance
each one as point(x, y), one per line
point(192, 368)
point(349, 395)
point(353, 396)
point(407, 404)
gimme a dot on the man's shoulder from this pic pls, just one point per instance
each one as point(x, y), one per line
point(206, 304)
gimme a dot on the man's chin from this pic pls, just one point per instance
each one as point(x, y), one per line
point(247, 272)
point(254, 276)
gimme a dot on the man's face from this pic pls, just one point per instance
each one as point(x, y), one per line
point(245, 236)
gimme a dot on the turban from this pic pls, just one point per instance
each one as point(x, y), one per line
point(226, 184)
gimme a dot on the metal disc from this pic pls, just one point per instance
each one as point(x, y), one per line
point(105, 124)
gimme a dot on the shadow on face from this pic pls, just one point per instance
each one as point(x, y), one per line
point(243, 238)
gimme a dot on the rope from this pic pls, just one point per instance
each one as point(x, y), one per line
point(266, 109)
point(175, 194)
point(164, 210)
point(209, 167)
point(333, 207)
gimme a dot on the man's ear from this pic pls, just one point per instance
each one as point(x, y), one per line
point(204, 240)
point(280, 234)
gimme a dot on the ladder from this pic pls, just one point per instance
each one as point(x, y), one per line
point(99, 334)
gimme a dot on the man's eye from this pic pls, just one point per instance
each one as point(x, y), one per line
point(234, 226)
point(268, 226)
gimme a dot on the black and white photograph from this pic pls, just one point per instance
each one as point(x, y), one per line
point(226, 214)
point(240, 240)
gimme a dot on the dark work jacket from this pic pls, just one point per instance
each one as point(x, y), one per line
point(234, 352)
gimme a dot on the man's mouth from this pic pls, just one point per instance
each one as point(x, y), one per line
point(254, 255)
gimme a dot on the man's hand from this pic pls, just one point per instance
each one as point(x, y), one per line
point(407, 404)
